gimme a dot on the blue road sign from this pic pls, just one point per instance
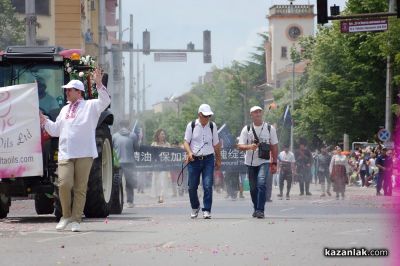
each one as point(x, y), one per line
point(383, 135)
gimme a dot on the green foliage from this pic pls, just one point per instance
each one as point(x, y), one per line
point(11, 29)
point(343, 90)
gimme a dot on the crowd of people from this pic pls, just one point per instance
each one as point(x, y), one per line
point(333, 169)
point(330, 168)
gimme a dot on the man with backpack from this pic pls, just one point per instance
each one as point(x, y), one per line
point(125, 143)
point(260, 142)
point(202, 146)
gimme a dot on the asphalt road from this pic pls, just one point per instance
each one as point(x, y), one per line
point(295, 232)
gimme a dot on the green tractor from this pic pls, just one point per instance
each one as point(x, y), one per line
point(53, 67)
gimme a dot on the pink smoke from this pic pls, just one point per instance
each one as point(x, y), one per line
point(12, 172)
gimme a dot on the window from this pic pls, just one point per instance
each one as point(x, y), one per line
point(283, 52)
point(42, 7)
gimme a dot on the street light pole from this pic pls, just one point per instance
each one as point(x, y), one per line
point(30, 23)
point(131, 86)
point(389, 89)
point(292, 108)
point(137, 82)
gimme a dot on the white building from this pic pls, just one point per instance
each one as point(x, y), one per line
point(286, 24)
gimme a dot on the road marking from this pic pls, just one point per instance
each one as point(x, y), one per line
point(356, 231)
point(321, 201)
point(62, 237)
point(168, 244)
point(288, 209)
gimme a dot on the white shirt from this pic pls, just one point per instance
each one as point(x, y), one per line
point(247, 137)
point(77, 135)
point(286, 157)
point(201, 141)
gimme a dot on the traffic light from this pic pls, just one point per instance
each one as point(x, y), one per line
point(398, 8)
point(322, 11)
point(207, 47)
point(146, 42)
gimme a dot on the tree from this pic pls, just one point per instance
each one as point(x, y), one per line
point(343, 90)
point(11, 29)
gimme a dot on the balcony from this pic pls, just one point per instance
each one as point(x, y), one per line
point(284, 10)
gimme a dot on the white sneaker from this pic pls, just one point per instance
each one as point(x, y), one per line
point(62, 223)
point(130, 205)
point(206, 215)
point(75, 227)
point(195, 213)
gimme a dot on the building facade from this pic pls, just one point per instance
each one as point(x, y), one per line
point(287, 23)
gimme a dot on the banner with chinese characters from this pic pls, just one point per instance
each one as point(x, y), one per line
point(150, 158)
point(20, 142)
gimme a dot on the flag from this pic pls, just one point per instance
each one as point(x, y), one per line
point(287, 120)
point(225, 135)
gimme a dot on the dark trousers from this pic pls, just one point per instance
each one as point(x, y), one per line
point(286, 174)
point(304, 179)
point(257, 180)
point(385, 181)
point(128, 170)
point(363, 173)
point(205, 168)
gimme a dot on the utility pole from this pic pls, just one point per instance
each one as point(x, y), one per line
point(102, 34)
point(131, 86)
point(138, 82)
point(389, 88)
point(120, 80)
point(144, 89)
point(31, 22)
point(292, 108)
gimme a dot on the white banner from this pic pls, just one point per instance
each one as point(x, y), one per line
point(20, 137)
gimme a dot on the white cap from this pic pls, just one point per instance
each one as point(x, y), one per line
point(205, 109)
point(255, 108)
point(76, 84)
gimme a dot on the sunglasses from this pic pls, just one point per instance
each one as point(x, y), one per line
point(205, 116)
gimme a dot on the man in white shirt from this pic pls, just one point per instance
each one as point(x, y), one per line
point(259, 169)
point(202, 145)
point(286, 169)
point(76, 128)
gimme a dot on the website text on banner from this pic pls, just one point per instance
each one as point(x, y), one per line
point(20, 142)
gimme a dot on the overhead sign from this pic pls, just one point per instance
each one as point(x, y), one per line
point(20, 138)
point(170, 57)
point(351, 26)
point(383, 135)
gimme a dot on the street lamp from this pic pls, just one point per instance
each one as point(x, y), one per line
point(295, 57)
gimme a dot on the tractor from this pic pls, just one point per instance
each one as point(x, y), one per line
point(51, 67)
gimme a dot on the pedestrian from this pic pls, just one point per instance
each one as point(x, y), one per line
point(260, 142)
point(286, 169)
point(385, 164)
point(339, 170)
point(160, 179)
point(201, 143)
point(303, 168)
point(125, 143)
point(363, 169)
point(323, 162)
point(76, 127)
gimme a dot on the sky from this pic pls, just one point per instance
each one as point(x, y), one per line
point(234, 25)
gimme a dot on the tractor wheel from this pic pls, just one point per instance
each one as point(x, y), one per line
point(44, 204)
point(100, 185)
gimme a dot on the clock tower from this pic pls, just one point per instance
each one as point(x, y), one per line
point(286, 24)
